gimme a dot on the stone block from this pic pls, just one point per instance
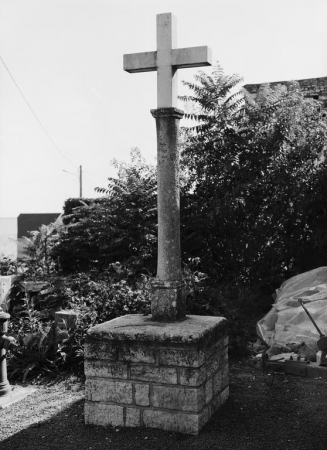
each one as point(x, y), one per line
point(104, 415)
point(166, 375)
point(181, 357)
point(178, 422)
point(224, 356)
point(133, 417)
point(179, 398)
point(225, 373)
point(216, 348)
point(225, 341)
point(198, 331)
point(212, 364)
point(218, 381)
point(100, 350)
point(224, 395)
point(208, 390)
point(102, 390)
point(192, 377)
point(204, 416)
point(105, 369)
point(142, 394)
point(137, 354)
point(168, 298)
point(219, 399)
point(66, 318)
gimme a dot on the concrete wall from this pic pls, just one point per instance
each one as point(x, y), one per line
point(8, 237)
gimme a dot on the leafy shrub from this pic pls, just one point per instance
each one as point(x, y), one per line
point(119, 226)
point(228, 302)
point(9, 266)
point(45, 349)
point(37, 249)
point(254, 205)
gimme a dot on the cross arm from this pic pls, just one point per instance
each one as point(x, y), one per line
point(191, 57)
point(140, 62)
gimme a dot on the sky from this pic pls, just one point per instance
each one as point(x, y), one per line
point(66, 102)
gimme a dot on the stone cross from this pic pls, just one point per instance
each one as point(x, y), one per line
point(168, 299)
point(166, 60)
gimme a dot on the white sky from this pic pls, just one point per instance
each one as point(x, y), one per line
point(66, 56)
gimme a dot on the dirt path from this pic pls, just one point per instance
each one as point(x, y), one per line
point(288, 414)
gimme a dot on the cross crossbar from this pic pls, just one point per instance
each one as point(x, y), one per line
point(181, 58)
point(166, 60)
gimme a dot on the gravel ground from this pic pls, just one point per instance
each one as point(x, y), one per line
point(289, 413)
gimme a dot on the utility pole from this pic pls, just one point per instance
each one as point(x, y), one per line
point(79, 178)
point(80, 181)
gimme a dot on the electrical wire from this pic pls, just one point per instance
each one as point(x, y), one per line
point(37, 119)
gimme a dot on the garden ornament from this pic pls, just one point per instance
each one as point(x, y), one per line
point(6, 343)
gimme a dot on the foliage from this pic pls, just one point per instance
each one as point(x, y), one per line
point(7, 266)
point(255, 169)
point(118, 227)
point(253, 213)
point(104, 298)
point(39, 248)
point(45, 349)
point(240, 305)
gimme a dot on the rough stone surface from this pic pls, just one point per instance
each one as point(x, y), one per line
point(182, 357)
point(142, 394)
point(178, 422)
point(103, 338)
point(102, 390)
point(168, 298)
point(105, 369)
point(159, 374)
point(179, 398)
point(132, 417)
point(101, 350)
point(103, 414)
point(192, 377)
point(137, 354)
point(145, 373)
point(66, 318)
point(169, 256)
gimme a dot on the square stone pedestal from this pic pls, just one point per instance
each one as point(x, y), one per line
point(172, 376)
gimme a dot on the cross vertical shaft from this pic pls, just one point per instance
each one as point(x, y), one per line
point(166, 73)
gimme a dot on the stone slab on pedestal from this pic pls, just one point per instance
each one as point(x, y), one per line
point(172, 376)
point(66, 318)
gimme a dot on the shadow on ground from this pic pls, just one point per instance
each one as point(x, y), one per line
point(262, 413)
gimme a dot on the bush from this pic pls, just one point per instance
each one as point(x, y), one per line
point(235, 303)
point(254, 205)
point(119, 226)
point(45, 349)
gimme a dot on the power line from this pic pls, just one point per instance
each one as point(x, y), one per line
point(37, 119)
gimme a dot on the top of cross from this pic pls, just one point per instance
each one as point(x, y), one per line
point(166, 60)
